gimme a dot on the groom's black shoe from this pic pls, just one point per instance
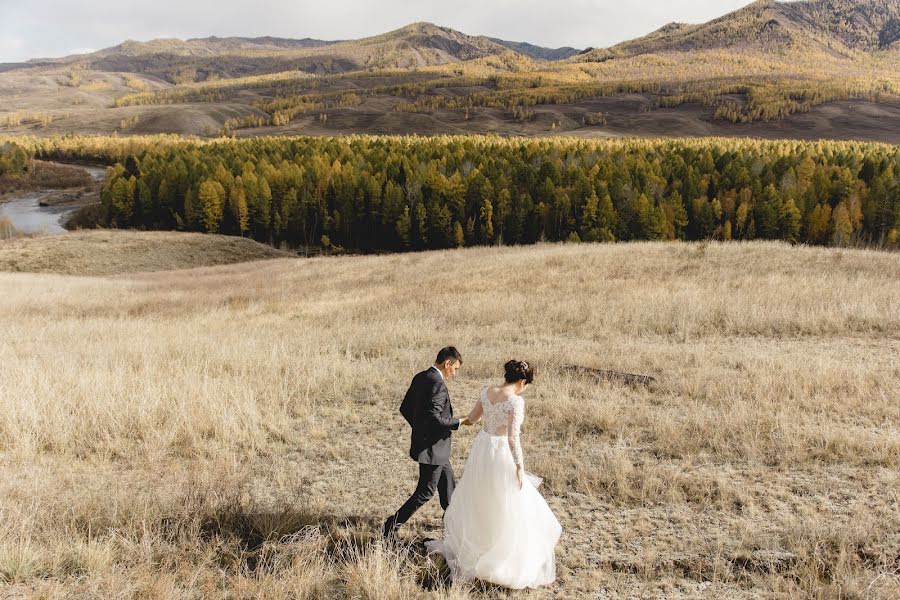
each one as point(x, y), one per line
point(389, 530)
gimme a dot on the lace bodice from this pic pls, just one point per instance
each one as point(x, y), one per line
point(505, 419)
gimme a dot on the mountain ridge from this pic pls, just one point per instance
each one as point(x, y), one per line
point(415, 45)
point(539, 52)
point(832, 26)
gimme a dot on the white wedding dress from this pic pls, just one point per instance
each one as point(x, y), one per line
point(493, 530)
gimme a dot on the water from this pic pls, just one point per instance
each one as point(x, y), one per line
point(27, 216)
point(98, 173)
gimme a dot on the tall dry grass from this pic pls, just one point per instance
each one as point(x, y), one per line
point(233, 430)
point(7, 229)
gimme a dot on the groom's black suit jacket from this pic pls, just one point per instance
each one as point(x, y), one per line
point(426, 407)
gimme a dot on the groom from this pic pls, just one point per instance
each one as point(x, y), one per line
point(426, 407)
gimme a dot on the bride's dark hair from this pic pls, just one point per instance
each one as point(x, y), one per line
point(516, 370)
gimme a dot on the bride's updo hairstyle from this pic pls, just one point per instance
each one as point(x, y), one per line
point(517, 370)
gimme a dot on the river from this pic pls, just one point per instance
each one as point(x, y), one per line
point(27, 216)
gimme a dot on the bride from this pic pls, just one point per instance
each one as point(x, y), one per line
point(498, 528)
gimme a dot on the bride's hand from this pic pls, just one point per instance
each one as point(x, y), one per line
point(520, 475)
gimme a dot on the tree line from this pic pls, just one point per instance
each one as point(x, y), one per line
point(372, 193)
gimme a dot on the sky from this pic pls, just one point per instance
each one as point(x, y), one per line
point(53, 28)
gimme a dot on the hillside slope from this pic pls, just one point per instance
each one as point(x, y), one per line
point(832, 26)
point(111, 252)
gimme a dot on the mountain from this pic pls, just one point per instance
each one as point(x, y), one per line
point(200, 47)
point(832, 26)
point(538, 52)
point(449, 44)
point(416, 45)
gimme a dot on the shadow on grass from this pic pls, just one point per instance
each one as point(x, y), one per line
point(257, 541)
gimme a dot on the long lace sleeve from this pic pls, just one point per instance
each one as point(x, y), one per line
point(515, 416)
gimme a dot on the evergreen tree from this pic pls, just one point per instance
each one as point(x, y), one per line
point(487, 222)
point(841, 226)
point(459, 238)
point(122, 205)
point(789, 221)
point(211, 198)
point(403, 228)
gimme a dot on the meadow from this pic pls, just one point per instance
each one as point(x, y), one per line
point(232, 431)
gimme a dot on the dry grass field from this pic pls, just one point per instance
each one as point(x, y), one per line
point(232, 431)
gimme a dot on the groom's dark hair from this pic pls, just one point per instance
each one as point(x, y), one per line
point(448, 353)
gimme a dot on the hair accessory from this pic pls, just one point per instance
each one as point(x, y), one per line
point(524, 366)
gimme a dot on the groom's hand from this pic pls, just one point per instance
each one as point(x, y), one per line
point(465, 421)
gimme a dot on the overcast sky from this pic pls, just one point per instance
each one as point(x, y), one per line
point(52, 28)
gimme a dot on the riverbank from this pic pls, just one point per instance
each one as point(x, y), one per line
point(43, 200)
point(44, 175)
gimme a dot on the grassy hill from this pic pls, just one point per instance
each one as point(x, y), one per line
point(112, 252)
point(234, 431)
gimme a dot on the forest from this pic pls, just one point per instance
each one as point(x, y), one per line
point(383, 193)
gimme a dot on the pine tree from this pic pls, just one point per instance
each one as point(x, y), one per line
point(143, 207)
point(504, 213)
point(607, 219)
point(644, 218)
point(459, 238)
point(766, 214)
point(122, 209)
point(262, 224)
point(163, 202)
point(789, 221)
point(211, 198)
point(190, 214)
point(841, 226)
point(420, 226)
point(237, 204)
point(676, 216)
point(590, 216)
point(487, 221)
point(819, 224)
point(403, 227)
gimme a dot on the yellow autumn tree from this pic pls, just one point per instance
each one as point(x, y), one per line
point(211, 199)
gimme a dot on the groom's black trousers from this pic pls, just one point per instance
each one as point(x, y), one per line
point(431, 477)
